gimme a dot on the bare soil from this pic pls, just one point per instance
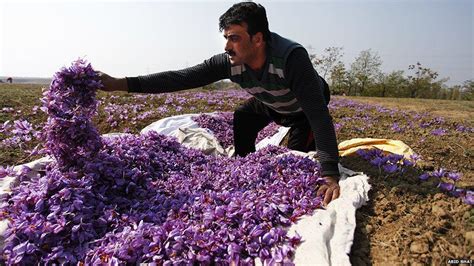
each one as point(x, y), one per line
point(408, 221)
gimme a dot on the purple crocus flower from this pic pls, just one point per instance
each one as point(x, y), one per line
point(6, 171)
point(454, 176)
point(415, 157)
point(21, 127)
point(439, 132)
point(424, 176)
point(338, 126)
point(395, 158)
point(446, 186)
point(397, 128)
point(408, 163)
point(469, 197)
point(464, 129)
point(378, 161)
point(5, 126)
point(458, 192)
point(390, 168)
point(440, 173)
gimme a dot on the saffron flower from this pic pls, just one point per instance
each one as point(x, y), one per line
point(446, 186)
point(439, 132)
point(424, 176)
point(469, 198)
point(454, 176)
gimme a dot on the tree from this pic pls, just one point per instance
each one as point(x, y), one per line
point(340, 84)
point(454, 93)
point(364, 69)
point(330, 59)
point(467, 90)
point(423, 83)
point(331, 68)
point(393, 84)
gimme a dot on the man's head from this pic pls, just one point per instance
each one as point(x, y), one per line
point(245, 27)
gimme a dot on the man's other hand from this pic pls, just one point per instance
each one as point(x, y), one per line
point(111, 83)
point(330, 190)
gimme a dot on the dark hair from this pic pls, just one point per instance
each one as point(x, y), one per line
point(249, 12)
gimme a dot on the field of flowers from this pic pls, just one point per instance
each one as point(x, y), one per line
point(420, 210)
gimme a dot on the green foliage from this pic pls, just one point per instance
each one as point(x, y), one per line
point(338, 80)
point(467, 90)
point(365, 78)
point(423, 84)
point(393, 84)
point(364, 71)
point(328, 62)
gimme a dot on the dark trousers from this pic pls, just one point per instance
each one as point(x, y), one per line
point(252, 116)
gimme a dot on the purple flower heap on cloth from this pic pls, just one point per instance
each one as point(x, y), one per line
point(70, 103)
point(221, 126)
point(146, 198)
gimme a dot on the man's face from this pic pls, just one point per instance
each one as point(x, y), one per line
point(239, 45)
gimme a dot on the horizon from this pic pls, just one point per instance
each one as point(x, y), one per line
point(122, 38)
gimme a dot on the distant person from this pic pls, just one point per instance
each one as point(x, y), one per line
point(10, 80)
point(276, 71)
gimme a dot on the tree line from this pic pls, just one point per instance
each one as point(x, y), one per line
point(365, 78)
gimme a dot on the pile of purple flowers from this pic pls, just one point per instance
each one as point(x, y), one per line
point(221, 125)
point(146, 198)
point(70, 103)
point(394, 163)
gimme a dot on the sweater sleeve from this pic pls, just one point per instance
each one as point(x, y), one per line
point(211, 70)
point(308, 88)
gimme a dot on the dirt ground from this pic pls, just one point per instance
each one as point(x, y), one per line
point(407, 221)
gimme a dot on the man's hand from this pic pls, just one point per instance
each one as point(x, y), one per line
point(112, 84)
point(330, 189)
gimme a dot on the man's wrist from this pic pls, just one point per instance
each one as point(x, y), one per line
point(334, 177)
point(329, 169)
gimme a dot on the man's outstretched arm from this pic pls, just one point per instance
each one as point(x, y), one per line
point(211, 70)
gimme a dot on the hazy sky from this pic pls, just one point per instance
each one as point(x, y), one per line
point(126, 38)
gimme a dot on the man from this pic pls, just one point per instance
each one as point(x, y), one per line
point(276, 71)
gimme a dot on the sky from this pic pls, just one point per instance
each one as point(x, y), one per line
point(124, 38)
